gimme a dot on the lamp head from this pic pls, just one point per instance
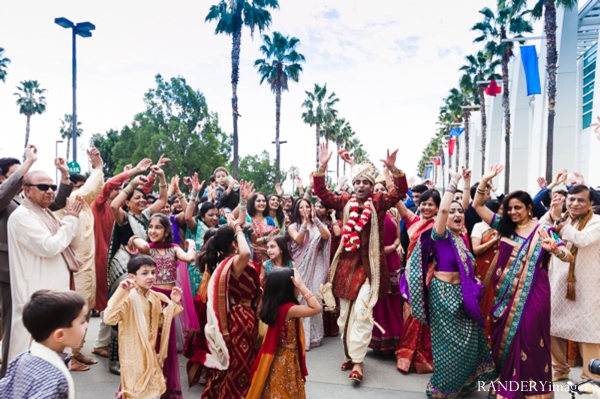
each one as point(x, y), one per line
point(65, 23)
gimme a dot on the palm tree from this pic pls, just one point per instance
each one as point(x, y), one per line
point(547, 8)
point(481, 68)
point(3, 65)
point(319, 110)
point(66, 131)
point(470, 94)
point(31, 101)
point(454, 103)
point(282, 62)
point(231, 16)
point(494, 29)
point(342, 137)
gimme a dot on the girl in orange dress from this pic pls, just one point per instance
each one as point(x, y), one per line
point(280, 368)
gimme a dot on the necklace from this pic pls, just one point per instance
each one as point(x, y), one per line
point(521, 227)
point(355, 224)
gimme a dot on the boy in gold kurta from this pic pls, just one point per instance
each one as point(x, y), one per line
point(140, 314)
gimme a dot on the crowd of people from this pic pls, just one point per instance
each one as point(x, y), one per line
point(472, 285)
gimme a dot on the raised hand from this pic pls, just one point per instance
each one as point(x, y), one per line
point(411, 182)
point(196, 186)
point(390, 160)
point(561, 177)
point(596, 126)
point(541, 181)
point(313, 212)
point(246, 189)
point(61, 165)
point(324, 154)
point(297, 279)
point(127, 167)
point(143, 165)
point(162, 161)
point(127, 284)
point(454, 175)
point(157, 170)
point(466, 173)
point(579, 179)
point(492, 172)
point(74, 206)
point(95, 158)
point(556, 206)
point(31, 153)
point(548, 243)
point(298, 181)
point(176, 294)
point(278, 189)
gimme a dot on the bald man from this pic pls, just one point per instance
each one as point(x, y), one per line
point(41, 249)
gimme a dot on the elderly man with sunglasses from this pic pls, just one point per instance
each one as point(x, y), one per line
point(12, 173)
point(41, 249)
point(575, 285)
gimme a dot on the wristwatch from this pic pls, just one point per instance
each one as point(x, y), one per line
point(559, 221)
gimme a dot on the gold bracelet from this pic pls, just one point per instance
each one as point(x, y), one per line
point(161, 186)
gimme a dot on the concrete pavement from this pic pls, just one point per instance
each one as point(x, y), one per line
point(325, 379)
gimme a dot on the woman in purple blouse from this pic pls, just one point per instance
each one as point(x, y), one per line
point(449, 305)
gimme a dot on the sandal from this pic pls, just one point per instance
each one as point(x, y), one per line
point(76, 365)
point(102, 351)
point(84, 359)
point(356, 376)
point(347, 366)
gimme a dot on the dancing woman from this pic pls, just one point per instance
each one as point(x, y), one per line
point(264, 226)
point(129, 222)
point(233, 296)
point(414, 350)
point(449, 305)
point(310, 245)
point(521, 311)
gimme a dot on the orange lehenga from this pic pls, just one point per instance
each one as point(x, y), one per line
point(483, 273)
point(414, 351)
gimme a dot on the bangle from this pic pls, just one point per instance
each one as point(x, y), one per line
point(132, 239)
point(180, 195)
point(193, 193)
point(308, 295)
point(127, 190)
point(243, 208)
point(161, 186)
point(302, 229)
point(480, 191)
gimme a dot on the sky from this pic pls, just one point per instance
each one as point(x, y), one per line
point(389, 62)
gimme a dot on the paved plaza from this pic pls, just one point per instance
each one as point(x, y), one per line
point(325, 379)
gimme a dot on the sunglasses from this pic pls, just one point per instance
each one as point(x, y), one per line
point(44, 187)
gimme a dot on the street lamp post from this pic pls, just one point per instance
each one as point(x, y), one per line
point(56, 156)
point(82, 29)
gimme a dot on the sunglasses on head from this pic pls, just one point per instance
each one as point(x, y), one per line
point(43, 187)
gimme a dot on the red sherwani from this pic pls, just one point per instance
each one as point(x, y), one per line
point(354, 267)
point(103, 226)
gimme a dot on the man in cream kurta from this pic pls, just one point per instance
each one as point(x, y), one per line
point(575, 320)
point(36, 255)
point(85, 278)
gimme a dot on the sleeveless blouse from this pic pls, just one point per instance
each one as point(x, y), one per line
point(289, 333)
point(166, 265)
point(269, 267)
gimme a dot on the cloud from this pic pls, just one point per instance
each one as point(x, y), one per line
point(331, 13)
point(408, 47)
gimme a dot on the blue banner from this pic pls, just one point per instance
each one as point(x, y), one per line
point(532, 71)
point(456, 131)
point(428, 172)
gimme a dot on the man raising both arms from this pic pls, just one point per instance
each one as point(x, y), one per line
point(359, 273)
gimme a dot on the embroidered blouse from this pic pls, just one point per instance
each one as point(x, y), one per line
point(269, 267)
point(289, 334)
point(166, 265)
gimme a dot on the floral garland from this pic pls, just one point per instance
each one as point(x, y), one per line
point(355, 224)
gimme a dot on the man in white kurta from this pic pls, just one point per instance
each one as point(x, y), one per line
point(85, 278)
point(575, 320)
point(35, 254)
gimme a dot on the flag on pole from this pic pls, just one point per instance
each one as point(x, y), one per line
point(493, 89)
point(532, 71)
point(437, 161)
point(451, 145)
point(443, 159)
point(456, 131)
point(428, 172)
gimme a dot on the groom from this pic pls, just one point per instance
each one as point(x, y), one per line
point(359, 273)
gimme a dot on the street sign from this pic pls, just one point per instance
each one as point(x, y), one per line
point(74, 168)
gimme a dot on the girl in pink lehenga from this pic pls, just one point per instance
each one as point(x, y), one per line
point(168, 256)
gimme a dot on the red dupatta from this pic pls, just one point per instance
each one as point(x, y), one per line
point(262, 364)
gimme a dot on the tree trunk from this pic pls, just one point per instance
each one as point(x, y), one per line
point(68, 146)
point(551, 60)
point(506, 106)
point(338, 160)
point(483, 127)
point(344, 168)
point(318, 134)
point(466, 118)
point(27, 129)
point(457, 155)
point(277, 144)
point(235, 75)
